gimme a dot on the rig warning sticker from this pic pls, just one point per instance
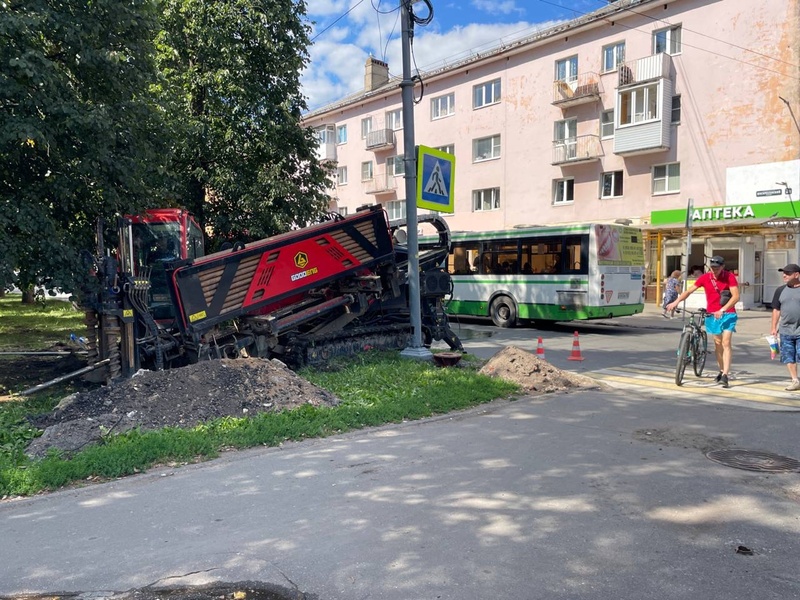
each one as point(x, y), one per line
point(197, 316)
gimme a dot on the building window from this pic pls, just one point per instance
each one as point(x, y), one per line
point(488, 199)
point(342, 211)
point(486, 148)
point(638, 105)
point(341, 175)
point(325, 135)
point(613, 56)
point(565, 135)
point(611, 185)
point(341, 134)
point(676, 109)
point(366, 127)
point(396, 209)
point(449, 149)
point(667, 178)
point(443, 106)
point(607, 124)
point(366, 171)
point(667, 40)
point(563, 191)
point(395, 165)
point(394, 119)
point(567, 69)
point(486, 93)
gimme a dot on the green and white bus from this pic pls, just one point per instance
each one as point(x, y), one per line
point(555, 273)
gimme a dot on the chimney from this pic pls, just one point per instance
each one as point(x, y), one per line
point(376, 73)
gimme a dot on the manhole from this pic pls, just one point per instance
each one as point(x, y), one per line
point(754, 460)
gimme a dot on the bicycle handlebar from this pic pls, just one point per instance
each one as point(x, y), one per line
point(699, 311)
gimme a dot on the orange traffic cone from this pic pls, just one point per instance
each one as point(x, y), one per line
point(576, 349)
point(540, 349)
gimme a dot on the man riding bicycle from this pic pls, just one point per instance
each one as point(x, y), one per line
point(722, 294)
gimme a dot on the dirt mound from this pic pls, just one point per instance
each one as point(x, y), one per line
point(182, 397)
point(533, 373)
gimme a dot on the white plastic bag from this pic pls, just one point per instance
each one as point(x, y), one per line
point(774, 350)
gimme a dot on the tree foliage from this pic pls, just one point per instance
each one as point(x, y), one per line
point(232, 69)
point(77, 128)
point(112, 106)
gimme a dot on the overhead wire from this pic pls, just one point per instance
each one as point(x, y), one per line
point(415, 19)
point(684, 44)
point(339, 18)
point(705, 35)
point(394, 26)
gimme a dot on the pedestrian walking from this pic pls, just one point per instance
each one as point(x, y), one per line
point(786, 320)
point(722, 294)
point(672, 288)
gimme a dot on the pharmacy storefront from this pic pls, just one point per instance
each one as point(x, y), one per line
point(755, 239)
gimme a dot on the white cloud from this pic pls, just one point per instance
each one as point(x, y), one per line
point(506, 7)
point(338, 55)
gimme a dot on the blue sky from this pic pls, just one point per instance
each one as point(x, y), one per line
point(343, 40)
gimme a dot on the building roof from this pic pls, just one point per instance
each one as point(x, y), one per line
point(614, 7)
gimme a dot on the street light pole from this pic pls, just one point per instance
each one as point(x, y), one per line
point(415, 349)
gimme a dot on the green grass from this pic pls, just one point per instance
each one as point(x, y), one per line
point(376, 388)
point(36, 326)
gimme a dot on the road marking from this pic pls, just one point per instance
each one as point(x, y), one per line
point(742, 390)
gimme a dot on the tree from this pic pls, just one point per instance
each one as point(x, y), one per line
point(80, 133)
point(232, 80)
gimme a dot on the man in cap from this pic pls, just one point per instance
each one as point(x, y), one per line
point(786, 310)
point(722, 294)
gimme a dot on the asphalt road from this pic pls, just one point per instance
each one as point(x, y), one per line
point(588, 495)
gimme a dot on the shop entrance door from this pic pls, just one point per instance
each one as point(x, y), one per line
point(773, 260)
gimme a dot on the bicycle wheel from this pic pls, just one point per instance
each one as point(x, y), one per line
point(683, 357)
point(699, 353)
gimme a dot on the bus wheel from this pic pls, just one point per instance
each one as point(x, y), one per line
point(503, 312)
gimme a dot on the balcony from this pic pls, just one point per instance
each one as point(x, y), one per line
point(644, 106)
point(581, 149)
point(642, 70)
point(326, 151)
point(581, 90)
point(381, 183)
point(380, 139)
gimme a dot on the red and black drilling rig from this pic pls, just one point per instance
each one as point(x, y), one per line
point(329, 289)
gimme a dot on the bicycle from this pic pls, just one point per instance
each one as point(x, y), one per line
point(693, 345)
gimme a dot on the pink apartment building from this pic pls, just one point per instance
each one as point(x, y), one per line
point(625, 115)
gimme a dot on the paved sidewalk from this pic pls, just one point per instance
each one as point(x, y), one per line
point(751, 324)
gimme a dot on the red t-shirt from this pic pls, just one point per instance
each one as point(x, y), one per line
point(713, 287)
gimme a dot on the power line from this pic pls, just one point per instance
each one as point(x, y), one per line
point(684, 44)
point(339, 18)
point(705, 35)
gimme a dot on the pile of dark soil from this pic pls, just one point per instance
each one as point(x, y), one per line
point(182, 397)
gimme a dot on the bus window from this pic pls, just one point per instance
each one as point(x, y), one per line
point(543, 255)
point(502, 258)
point(577, 254)
point(464, 259)
point(458, 261)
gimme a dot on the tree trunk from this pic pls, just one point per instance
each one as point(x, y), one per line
point(29, 295)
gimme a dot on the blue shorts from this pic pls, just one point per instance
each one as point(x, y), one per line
point(727, 322)
point(790, 345)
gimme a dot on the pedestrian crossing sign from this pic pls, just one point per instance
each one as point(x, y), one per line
point(435, 177)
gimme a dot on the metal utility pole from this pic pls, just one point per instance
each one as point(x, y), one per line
point(416, 349)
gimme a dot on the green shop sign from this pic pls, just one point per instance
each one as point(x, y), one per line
point(728, 213)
